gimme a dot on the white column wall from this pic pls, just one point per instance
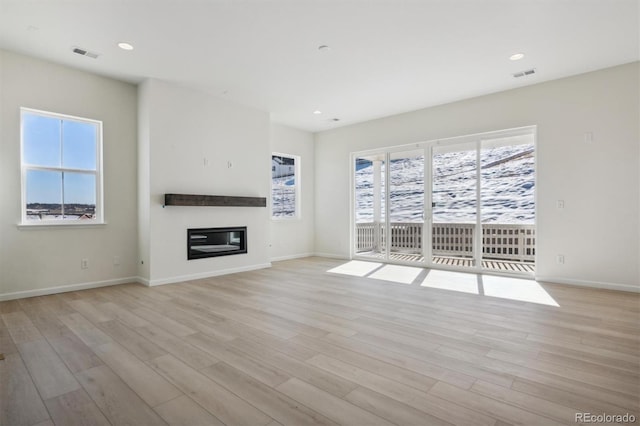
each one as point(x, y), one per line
point(193, 137)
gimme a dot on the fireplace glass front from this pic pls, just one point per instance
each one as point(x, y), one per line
point(212, 242)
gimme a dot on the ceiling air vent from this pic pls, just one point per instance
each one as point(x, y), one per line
point(84, 52)
point(525, 73)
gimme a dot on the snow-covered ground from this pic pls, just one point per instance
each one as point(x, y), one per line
point(507, 187)
point(283, 196)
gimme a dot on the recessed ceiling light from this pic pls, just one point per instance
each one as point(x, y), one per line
point(324, 48)
point(125, 46)
point(516, 56)
point(317, 112)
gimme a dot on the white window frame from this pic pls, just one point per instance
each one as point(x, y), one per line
point(99, 215)
point(298, 185)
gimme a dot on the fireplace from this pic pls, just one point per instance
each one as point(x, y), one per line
point(213, 242)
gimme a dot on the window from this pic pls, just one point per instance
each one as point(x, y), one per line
point(61, 169)
point(285, 186)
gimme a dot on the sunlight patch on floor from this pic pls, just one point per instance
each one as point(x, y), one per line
point(502, 287)
point(455, 281)
point(356, 268)
point(516, 289)
point(397, 274)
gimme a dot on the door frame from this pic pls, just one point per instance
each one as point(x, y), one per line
point(427, 147)
point(386, 153)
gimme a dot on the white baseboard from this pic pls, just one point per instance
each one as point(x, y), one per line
point(66, 288)
point(181, 278)
point(332, 256)
point(144, 281)
point(291, 256)
point(592, 284)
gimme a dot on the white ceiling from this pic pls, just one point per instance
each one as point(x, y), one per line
point(386, 57)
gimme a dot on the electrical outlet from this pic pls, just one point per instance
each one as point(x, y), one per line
point(116, 260)
point(84, 264)
point(560, 204)
point(560, 259)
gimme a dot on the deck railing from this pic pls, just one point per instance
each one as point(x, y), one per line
point(499, 241)
point(509, 241)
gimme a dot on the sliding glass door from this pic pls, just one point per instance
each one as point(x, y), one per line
point(389, 213)
point(465, 203)
point(370, 205)
point(406, 205)
point(455, 204)
point(507, 202)
point(484, 202)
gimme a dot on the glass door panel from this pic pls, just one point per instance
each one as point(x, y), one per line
point(406, 205)
point(370, 206)
point(508, 203)
point(454, 204)
point(472, 198)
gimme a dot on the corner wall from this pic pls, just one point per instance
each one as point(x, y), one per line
point(291, 238)
point(144, 181)
point(46, 260)
point(192, 138)
point(598, 229)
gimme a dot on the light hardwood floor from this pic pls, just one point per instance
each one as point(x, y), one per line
point(297, 345)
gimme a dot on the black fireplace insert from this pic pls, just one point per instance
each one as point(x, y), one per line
point(212, 242)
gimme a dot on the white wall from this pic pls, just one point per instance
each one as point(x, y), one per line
point(34, 260)
point(144, 181)
point(184, 128)
point(292, 238)
point(598, 230)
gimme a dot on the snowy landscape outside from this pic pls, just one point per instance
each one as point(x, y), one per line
point(507, 187)
point(60, 162)
point(283, 186)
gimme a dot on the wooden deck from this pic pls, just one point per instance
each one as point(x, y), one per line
point(492, 265)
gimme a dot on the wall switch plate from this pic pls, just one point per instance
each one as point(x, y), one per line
point(84, 264)
point(560, 259)
point(116, 260)
point(560, 204)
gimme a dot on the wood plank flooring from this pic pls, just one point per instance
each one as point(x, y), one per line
point(297, 345)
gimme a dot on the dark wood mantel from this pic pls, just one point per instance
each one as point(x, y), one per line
point(213, 200)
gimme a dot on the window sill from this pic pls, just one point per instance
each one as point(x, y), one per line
point(59, 225)
point(286, 219)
